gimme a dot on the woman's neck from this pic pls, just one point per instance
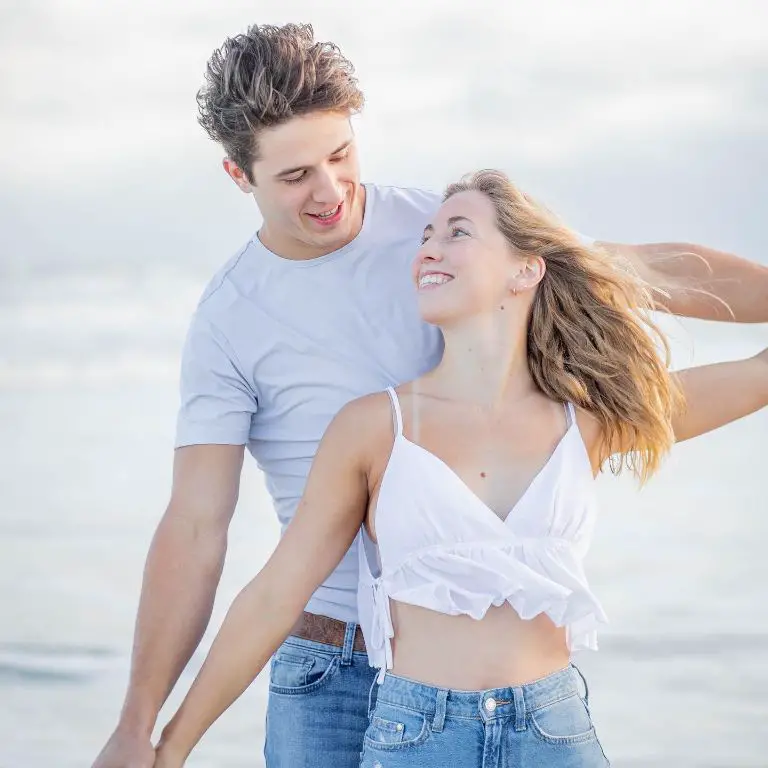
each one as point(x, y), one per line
point(485, 363)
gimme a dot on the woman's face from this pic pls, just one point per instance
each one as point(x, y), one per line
point(465, 267)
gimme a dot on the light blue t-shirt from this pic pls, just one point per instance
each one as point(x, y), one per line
point(277, 347)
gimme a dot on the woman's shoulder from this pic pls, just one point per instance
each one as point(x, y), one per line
point(367, 417)
point(366, 406)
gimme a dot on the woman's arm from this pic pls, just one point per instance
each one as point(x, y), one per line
point(261, 617)
point(718, 394)
point(714, 395)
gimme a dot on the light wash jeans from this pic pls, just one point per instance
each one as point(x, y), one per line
point(318, 717)
point(318, 704)
point(544, 723)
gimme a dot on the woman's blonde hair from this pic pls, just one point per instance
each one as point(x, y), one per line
point(591, 340)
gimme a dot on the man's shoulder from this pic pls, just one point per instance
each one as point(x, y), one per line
point(407, 204)
point(219, 312)
point(228, 282)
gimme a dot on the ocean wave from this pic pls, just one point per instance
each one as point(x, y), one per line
point(127, 368)
point(43, 663)
point(688, 644)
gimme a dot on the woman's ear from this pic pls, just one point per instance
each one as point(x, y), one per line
point(529, 275)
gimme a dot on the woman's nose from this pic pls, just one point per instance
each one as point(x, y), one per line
point(429, 252)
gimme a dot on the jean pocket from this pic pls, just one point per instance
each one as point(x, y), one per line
point(566, 721)
point(393, 727)
point(298, 671)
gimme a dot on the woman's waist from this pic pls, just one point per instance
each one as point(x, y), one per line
point(488, 701)
point(461, 652)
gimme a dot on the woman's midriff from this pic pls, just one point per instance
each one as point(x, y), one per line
point(463, 653)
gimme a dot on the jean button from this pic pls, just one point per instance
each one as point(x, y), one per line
point(490, 704)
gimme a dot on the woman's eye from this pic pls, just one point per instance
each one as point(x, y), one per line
point(458, 231)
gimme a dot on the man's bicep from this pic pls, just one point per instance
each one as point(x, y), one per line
point(206, 483)
point(585, 239)
point(217, 400)
point(640, 257)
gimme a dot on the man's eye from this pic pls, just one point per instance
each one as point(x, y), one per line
point(295, 179)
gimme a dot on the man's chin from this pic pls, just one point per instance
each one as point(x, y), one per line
point(336, 236)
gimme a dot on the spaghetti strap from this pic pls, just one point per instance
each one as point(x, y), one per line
point(396, 409)
point(570, 413)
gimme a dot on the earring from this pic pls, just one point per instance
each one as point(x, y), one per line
point(514, 291)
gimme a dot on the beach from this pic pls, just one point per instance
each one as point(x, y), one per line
point(88, 404)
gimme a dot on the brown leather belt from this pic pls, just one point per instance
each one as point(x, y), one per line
point(323, 629)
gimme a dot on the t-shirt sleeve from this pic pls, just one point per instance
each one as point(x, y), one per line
point(585, 239)
point(217, 403)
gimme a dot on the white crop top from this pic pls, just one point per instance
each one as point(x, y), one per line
point(441, 547)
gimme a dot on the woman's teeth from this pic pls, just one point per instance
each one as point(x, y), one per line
point(433, 279)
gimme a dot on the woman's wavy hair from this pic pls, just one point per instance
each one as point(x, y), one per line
point(591, 340)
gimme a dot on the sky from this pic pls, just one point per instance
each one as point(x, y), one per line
point(634, 121)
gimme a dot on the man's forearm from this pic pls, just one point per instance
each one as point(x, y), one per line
point(180, 580)
point(696, 281)
point(259, 619)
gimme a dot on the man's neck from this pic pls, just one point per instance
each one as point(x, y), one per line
point(294, 249)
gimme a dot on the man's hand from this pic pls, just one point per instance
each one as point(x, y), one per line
point(126, 750)
point(180, 580)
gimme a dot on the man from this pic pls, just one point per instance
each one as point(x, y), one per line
point(317, 309)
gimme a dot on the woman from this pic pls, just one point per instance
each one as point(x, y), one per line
point(473, 487)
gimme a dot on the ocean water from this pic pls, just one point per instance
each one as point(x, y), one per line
point(88, 367)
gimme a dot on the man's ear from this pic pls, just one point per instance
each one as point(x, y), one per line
point(236, 173)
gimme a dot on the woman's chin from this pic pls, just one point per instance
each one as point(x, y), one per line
point(443, 305)
point(435, 315)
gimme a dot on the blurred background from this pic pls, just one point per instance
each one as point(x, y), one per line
point(636, 122)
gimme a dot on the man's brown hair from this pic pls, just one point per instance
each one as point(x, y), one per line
point(267, 76)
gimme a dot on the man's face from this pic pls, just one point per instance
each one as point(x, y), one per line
point(307, 185)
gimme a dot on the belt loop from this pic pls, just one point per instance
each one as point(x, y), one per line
point(373, 697)
point(519, 698)
point(440, 704)
point(349, 644)
point(583, 680)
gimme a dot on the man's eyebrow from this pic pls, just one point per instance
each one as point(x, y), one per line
point(452, 220)
point(289, 171)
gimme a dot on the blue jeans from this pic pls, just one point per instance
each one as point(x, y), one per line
point(544, 723)
point(318, 704)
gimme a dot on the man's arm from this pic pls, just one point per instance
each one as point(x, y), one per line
point(181, 576)
point(696, 281)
